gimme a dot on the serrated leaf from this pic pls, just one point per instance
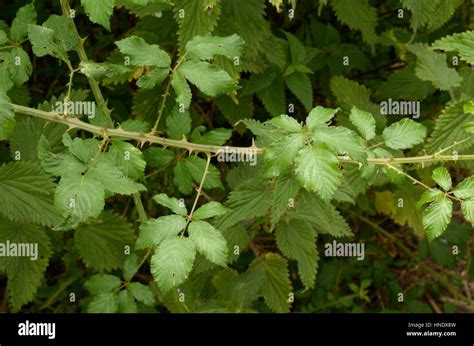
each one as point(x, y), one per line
point(459, 42)
point(468, 210)
point(317, 170)
point(208, 241)
point(404, 134)
point(270, 272)
point(320, 116)
point(286, 188)
point(195, 167)
point(300, 85)
point(153, 232)
point(99, 11)
point(158, 157)
point(142, 53)
point(79, 196)
point(25, 15)
point(206, 47)
point(112, 178)
point(209, 210)
point(178, 124)
point(273, 96)
point(172, 262)
point(128, 158)
point(142, 293)
point(297, 241)
point(429, 196)
point(83, 149)
point(208, 78)
point(364, 121)
point(104, 303)
point(196, 20)
point(432, 66)
point(153, 78)
point(431, 13)
point(342, 140)
point(251, 199)
point(101, 242)
point(27, 194)
point(172, 203)
point(214, 137)
point(24, 274)
point(102, 283)
point(465, 189)
point(280, 155)
point(127, 302)
point(286, 123)
point(437, 216)
point(19, 66)
point(449, 129)
point(358, 15)
point(442, 178)
point(181, 89)
point(7, 117)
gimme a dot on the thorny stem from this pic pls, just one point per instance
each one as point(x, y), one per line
point(143, 138)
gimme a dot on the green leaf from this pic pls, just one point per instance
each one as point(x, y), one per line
point(130, 266)
point(429, 196)
point(358, 15)
point(142, 53)
point(153, 232)
point(3, 37)
point(65, 35)
point(27, 194)
point(286, 123)
point(468, 210)
point(178, 124)
point(300, 85)
point(320, 116)
point(461, 43)
point(214, 137)
point(432, 67)
point(209, 210)
point(273, 96)
point(465, 189)
point(280, 155)
point(19, 66)
point(102, 283)
point(101, 242)
point(208, 78)
point(251, 199)
point(404, 134)
point(342, 140)
point(158, 157)
point(297, 240)
point(105, 70)
point(270, 272)
point(182, 89)
point(431, 13)
point(405, 85)
point(80, 197)
point(142, 293)
point(317, 170)
point(99, 11)
point(25, 16)
point(128, 158)
point(364, 121)
point(127, 303)
point(112, 178)
point(286, 187)
point(83, 149)
point(104, 303)
point(437, 216)
point(442, 178)
point(449, 129)
point(7, 117)
point(24, 274)
point(208, 241)
point(172, 262)
point(196, 167)
point(194, 19)
point(172, 203)
point(153, 78)
point(206, 47)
